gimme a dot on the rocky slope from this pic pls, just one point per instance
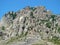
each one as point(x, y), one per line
point(29, 26)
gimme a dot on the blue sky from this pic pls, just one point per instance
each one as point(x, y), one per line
point(15, 5)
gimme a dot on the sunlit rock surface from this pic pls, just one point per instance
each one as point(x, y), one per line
point(30, 26)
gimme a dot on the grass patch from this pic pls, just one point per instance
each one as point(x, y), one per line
point(12, 39)
point(17, 38)
point(38, 44)
point(55, 40)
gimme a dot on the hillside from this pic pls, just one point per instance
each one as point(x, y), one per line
point(30, 26)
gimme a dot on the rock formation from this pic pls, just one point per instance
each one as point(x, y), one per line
point(36, 22)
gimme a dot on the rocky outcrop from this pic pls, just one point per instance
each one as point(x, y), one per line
point(30, 21)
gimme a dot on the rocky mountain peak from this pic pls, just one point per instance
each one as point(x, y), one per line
point(30, 22)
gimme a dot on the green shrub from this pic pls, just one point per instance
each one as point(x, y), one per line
point(48, 24)
point(53, 17)
point(56, 24)
point(59, 29)
point(31, 14)
point(13, 15)
point(3, 28)
point(33, 9)
point(43, 21)
point(46, 15)
point(26, 33)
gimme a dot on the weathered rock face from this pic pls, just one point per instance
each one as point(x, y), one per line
point(30, 21)
point(8, 18)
